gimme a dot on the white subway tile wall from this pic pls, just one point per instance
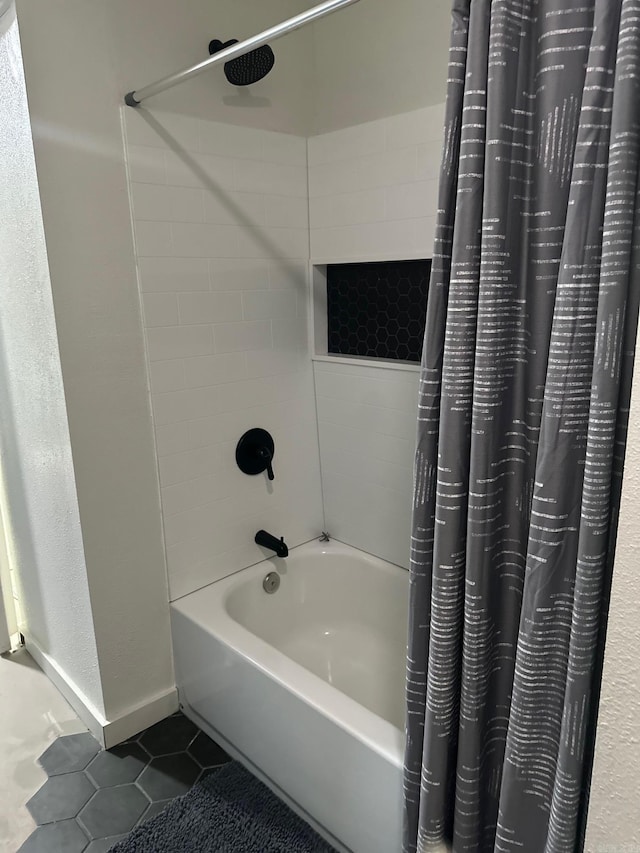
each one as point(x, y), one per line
point(367, 423)
point(373, 196)
point(224, 229)
point(373, 188)
point(222, 238)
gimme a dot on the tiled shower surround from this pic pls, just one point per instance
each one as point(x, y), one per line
point(373, 188)
point(367, 422)
point(373, 196)
point(222, 228)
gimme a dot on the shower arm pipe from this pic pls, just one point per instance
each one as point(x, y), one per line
point(135, 97)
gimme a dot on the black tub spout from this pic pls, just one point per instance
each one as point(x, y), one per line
point(272, 542)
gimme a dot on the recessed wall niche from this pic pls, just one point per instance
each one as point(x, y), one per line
point(372, 310)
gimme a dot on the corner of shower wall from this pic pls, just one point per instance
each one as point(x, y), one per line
point(220, 215)
point(372, 197)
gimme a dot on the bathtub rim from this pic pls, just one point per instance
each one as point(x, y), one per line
point(206, 607)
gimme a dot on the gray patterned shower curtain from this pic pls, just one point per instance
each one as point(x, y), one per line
point(525, 386)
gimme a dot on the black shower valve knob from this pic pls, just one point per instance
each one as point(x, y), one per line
point(255, 452)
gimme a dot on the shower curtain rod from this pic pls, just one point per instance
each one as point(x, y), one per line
point(135, 97)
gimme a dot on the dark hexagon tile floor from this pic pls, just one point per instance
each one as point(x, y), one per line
point(61, 797)
point(169, 776)
point(94, 797)
point(113, 811)
point(63, 835)
point(171, 735)
point(70, 753)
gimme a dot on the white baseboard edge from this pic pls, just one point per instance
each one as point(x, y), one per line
point(140, 717)
point(107, 732)
point(86, 710)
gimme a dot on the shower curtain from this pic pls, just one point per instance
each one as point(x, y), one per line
point(525, 386)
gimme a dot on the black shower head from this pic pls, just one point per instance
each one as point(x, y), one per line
point(248, 68)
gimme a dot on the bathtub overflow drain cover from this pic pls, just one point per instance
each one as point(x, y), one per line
point(271, 583)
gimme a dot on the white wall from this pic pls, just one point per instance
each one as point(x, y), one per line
point(74, 107)
point(360, 64)
point(221, 223)
point(37, 486)
point(378, 59)
point(154, 38)
point(373, 196)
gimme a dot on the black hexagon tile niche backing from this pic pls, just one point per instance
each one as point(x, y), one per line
point(94, 797)
point(377, 310)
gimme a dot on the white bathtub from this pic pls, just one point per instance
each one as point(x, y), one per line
point(306, 685)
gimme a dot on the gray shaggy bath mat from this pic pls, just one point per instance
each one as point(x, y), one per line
point(227, 811)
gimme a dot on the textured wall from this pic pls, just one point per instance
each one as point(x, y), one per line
point(74, 109)
point(39, 493)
